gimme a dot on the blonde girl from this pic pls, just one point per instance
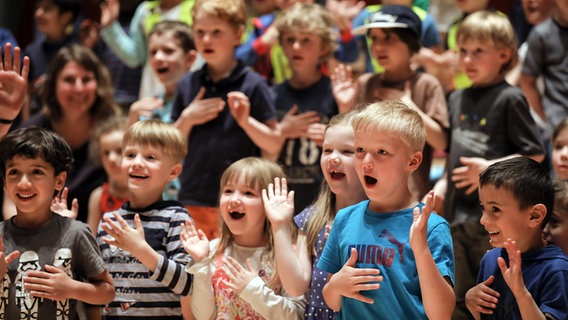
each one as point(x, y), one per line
point(235, 276)
point(340, 189)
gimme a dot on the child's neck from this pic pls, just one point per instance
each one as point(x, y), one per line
point(251, 240)
point(168, 4)
point(342, 201)
point(119, 190)
point(400, 202)
point(498, 78)
point(144, 200)
point(304, 79)
point(221, 71)
point(55, 37)
point(34, 221)
point(398, 75)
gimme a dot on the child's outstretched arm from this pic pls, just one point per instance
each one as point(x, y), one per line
point(266, 136)
point(13, 86)
point(55, 284)
point(514, 278)
point(349, 282)
point(437, 293)
point(279, 208)
point(481, 298)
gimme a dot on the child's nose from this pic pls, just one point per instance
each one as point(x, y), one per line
point(334, 160)
point(24, 181)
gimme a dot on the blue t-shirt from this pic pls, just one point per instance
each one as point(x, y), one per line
point(545, 273)
point(382, 242)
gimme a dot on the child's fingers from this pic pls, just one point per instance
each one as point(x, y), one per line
point(26, 68)
point(11, 256)
point(120, 220)
point(202, 235)
point(8, 57)
point(17, 59)
point(284, 186)
point(137, 222)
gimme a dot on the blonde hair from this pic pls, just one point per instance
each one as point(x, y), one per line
point(232, 11)
point(323, 209)
point(310, 19)
point(396, 118)
point(258, 173)
point(486, 26)
point(157, 134)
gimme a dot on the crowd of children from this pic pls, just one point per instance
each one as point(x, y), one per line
point(277, 163)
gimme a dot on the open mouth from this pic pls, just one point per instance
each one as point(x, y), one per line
point(493, 233)
point(162, 70)
point(370, 180)
point(236, 215)
point(138, 176)
point(337, 175)
point(25, 196)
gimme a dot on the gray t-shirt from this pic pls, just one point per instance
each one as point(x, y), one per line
point(62, 242)
point(546, 57)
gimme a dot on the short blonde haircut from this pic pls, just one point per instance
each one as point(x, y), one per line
point(157, 134)
point(232, 11)
point(486, 26)
point(309, 19)
point(394, 117)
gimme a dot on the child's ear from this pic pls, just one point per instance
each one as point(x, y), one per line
point(190, 57)
point(505, 55)
point(537, 214)
point(415, 161)
point(175, 171)
point(60, 180)
point(239, 34)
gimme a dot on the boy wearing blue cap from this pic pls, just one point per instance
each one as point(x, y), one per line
point(394, 33)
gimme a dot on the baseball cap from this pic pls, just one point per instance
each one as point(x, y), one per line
point(392, 16)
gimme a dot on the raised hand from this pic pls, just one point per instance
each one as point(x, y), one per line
point(481, 298)
point(13, 82)
point(418, 236)
point(194, 242)
point(467, 176)
point(344, 11)
point(109, 12)
point(59, 204)
point(350, 281)
point(295, 125)
point(6, 259)
point(239, 276)
point(512, 274)
point(278, 203)
point(122, 235)
point(344, 88)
